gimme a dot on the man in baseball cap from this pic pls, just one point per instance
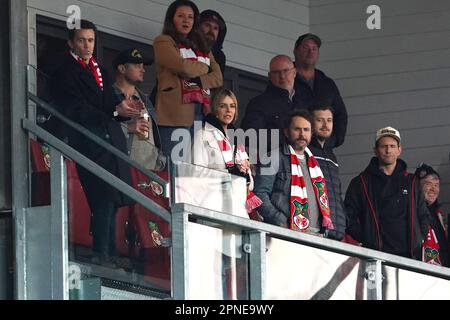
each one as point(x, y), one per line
point(133, 56)
point(388, 132)
point(315, 88)
point(385, 207)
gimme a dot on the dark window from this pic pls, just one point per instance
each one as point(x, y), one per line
point(52, 44)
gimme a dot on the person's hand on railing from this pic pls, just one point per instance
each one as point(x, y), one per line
point(128, 109)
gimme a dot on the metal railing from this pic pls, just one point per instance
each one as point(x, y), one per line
point(256, 232)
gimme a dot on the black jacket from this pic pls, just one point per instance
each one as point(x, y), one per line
point(363, 206)
point(79, 98)
point(325, 93)
point(270, 110)
point(273, 187)
point(330, 169)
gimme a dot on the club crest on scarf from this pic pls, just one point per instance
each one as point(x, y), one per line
point(430, 249)
point(301, 215)
point(299, 197)
point(323, 197)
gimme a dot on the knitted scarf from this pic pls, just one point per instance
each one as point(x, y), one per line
point(299, 198)
point(430, 247)
point(253, 201)
point(93, 67)
point(191, 91)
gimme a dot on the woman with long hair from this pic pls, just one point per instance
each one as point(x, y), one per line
point(185, 72)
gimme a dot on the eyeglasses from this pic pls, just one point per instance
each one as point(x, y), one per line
point(283, 72)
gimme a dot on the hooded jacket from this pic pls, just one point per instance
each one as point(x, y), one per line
point(330, 169)
point(217, 51)
point(387, 213)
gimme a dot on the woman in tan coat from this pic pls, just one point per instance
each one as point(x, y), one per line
point(185, 71)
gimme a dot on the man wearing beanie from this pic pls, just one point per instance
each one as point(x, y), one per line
point(435, 249)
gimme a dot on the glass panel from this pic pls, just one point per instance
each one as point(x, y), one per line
point(401, 284)
point(217, 268)
point(210, 189)
point(141, 262)
point(296, 271)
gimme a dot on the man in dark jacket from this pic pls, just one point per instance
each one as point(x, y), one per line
point(83, 92)
point(316, 88)
point(293, 190)
point(271, 109)
point(214, 29)
point(436, 248)
point(319, 146)
point(142, 133)
point(384, 204)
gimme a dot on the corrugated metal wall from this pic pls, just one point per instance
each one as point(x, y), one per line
point(398, 76)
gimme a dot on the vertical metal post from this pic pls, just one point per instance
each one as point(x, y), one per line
point(19, 154)
point(59, 229)
point(256, 249)
point(179, 265)
point(374, 279)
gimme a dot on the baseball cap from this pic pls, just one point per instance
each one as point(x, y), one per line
point(132, 55)
point(307, 36)
point(388, 132)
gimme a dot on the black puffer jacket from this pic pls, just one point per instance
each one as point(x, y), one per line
point(330, 169)
point(274, 189)
point(270, 110)
point(362, 205)
point(325, 93)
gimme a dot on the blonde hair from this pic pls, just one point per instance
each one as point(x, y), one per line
point(218, 98)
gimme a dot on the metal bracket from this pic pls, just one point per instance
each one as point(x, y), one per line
point(247, 248)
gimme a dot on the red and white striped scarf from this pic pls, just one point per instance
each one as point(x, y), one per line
point(91, 66)
point(191, 91)
point(430, 247)
point(299, 197)
point(230, 159)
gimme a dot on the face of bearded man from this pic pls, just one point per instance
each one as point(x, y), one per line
point(298, 134)
point(210, 30)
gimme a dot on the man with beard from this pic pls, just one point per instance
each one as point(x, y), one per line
point(323, 152)
point(384, 204)
point(294, 195)
point(143, 140)
point(214, 30)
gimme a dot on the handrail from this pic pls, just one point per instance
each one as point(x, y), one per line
point(97, 170)
point(314, 241)
point(116, 152)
